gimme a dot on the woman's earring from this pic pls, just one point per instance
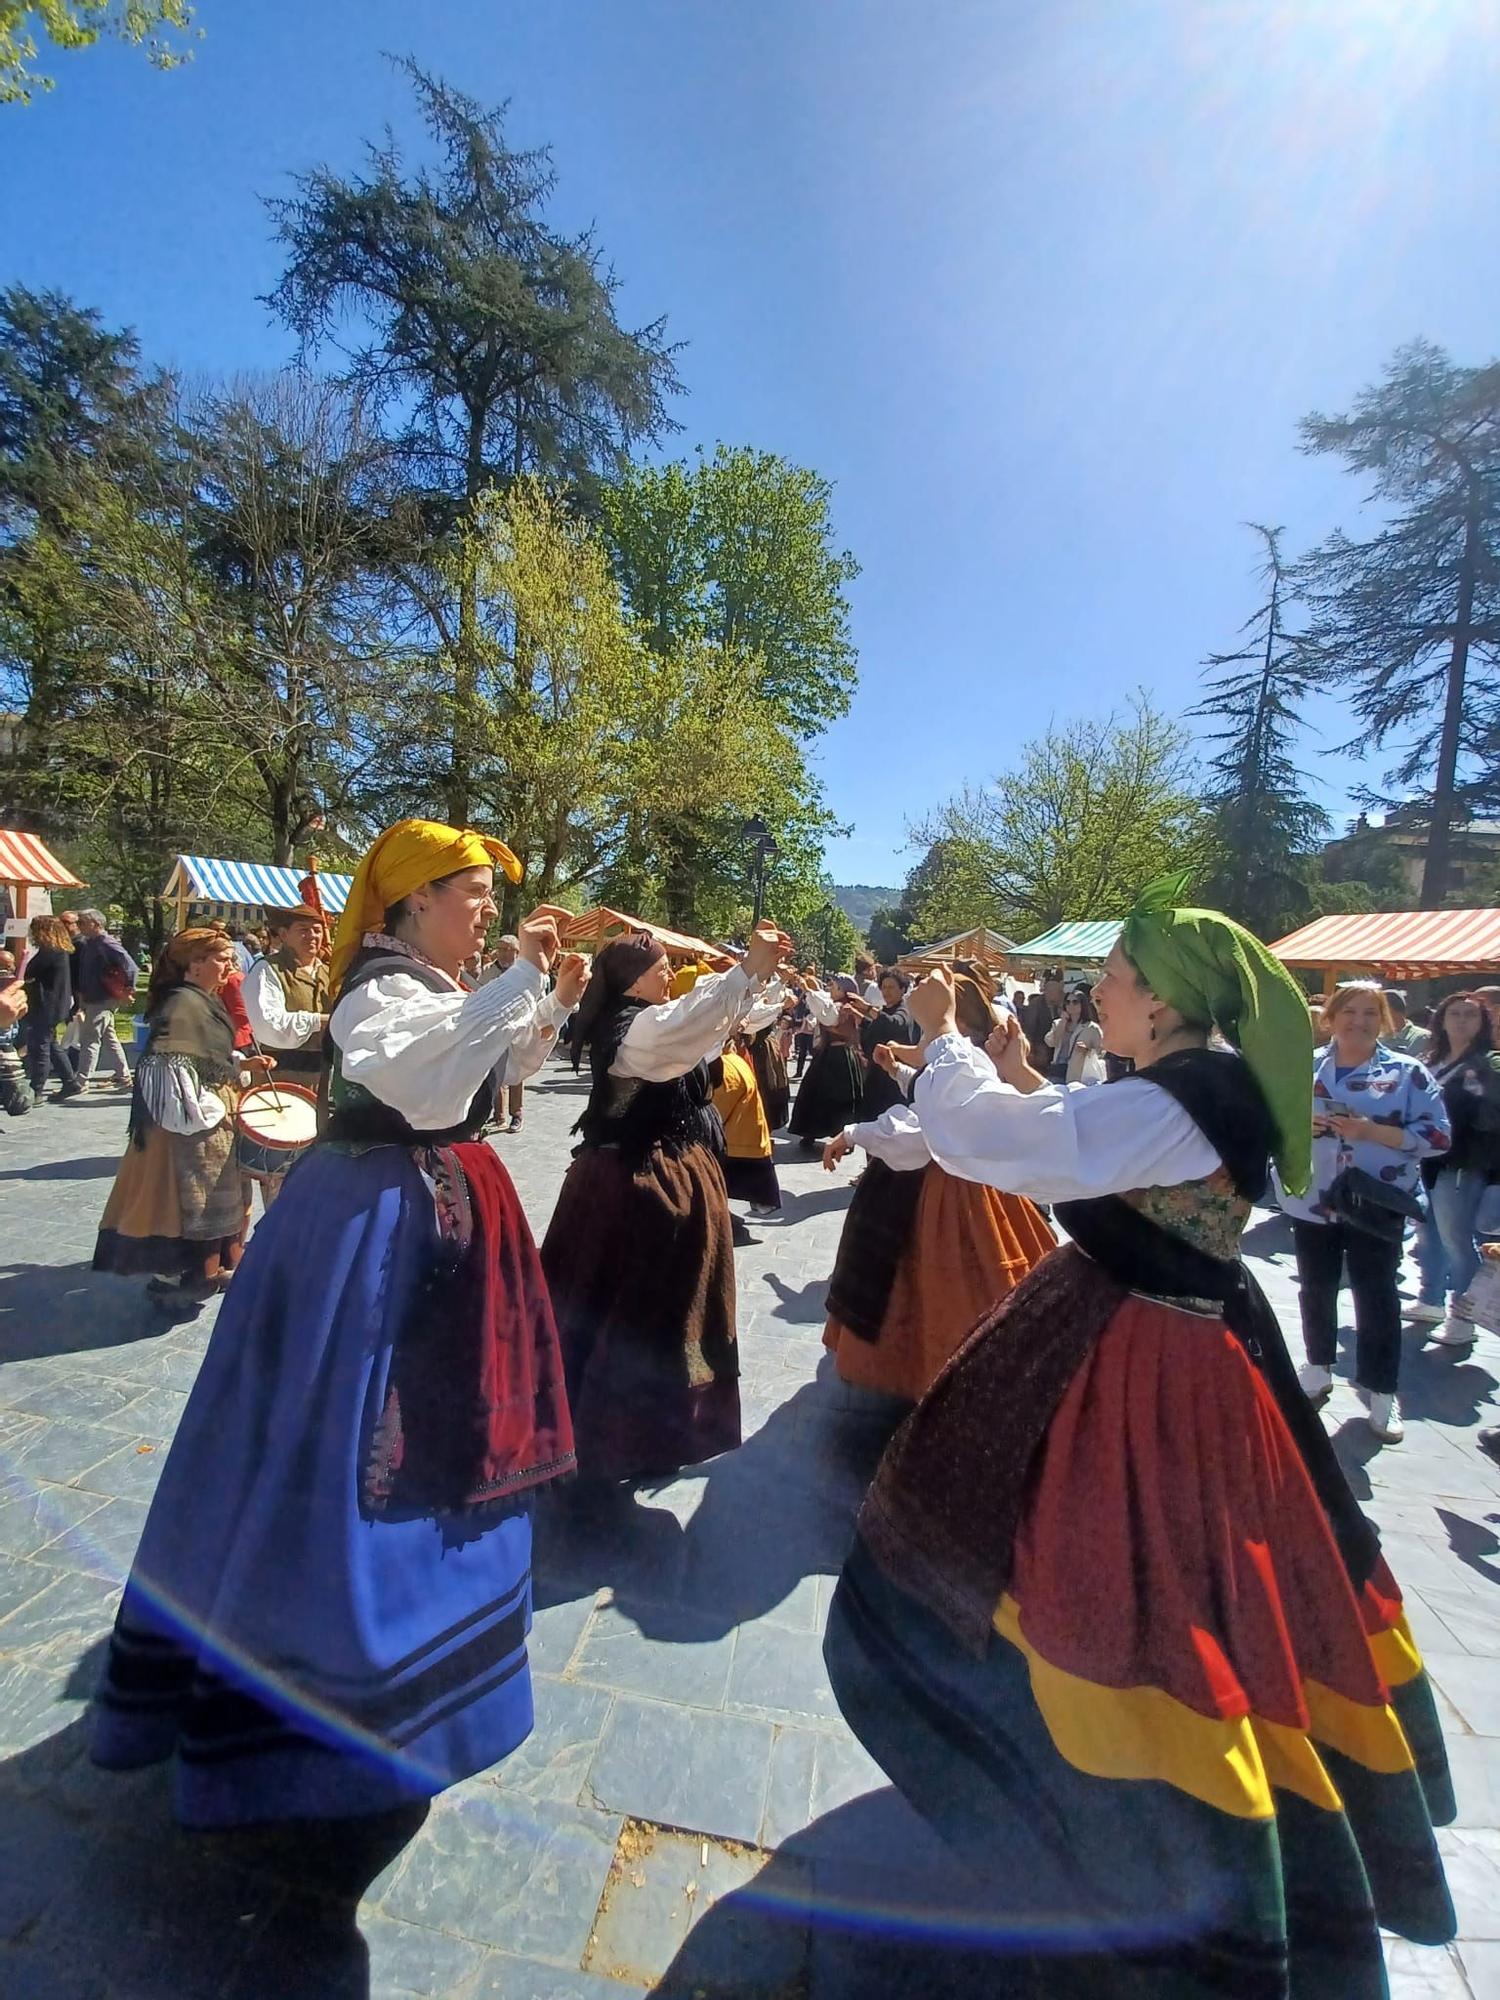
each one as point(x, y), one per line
point(1153, 1029)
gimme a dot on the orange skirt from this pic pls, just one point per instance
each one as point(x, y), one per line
point(969, 1246)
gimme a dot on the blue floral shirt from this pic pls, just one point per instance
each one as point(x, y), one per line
point(1392, 1089)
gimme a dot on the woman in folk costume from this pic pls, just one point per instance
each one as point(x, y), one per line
point(639, 1252)
point(924, 1254)
point(328, 1611)
point(892, 1024)
point(831, 1093)
point(1112, 1619)
point(767, 1050)
point(180, 1203)
point(749, 1170)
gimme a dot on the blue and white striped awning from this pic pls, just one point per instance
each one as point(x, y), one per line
point(248, 885)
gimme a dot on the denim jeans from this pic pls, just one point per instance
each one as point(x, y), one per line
point(1446, 1255)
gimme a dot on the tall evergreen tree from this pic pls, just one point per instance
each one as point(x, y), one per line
point(1264, 819)
point(494, 338)
point(1409, 620)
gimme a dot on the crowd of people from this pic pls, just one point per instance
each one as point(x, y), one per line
point(1112, 1618)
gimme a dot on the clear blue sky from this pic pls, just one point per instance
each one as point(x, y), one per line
point(1043, 286)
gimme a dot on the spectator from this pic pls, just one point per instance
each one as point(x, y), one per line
point(104, 976)
point(804, 1028)
point(1466, 1068)
point(510, 1098)
point(49, 1005)
point(864, 978)
point(1406, 1035)
point(1038, 1017)
point(1076, 1042)
point(15, 1098)
point(1379, 1112)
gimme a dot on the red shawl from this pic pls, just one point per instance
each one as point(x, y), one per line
point(475, 1409)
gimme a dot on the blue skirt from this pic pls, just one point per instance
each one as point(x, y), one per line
point(301, 1657)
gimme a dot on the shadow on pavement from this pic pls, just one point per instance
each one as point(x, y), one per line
point(51, 1309)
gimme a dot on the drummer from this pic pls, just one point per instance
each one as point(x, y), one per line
point(286, 998)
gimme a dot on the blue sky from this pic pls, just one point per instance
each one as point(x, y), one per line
point(1042, 286)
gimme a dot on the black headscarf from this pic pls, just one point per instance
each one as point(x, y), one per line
point(616, 969)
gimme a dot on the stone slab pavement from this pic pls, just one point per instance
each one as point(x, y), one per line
point(691, 1816)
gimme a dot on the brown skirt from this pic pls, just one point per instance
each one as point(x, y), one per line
point(641, 1270)
point(968, 1247)
point(174, 1199)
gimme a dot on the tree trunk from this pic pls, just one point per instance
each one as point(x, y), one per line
point(466, 653)
point(1436, 868)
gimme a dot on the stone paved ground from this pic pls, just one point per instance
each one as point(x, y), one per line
point(685, 1730)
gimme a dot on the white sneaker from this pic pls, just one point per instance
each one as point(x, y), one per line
point(1315, 1383)
point(1455, 1332)
point(1385, 1419)
point(1428, 1314)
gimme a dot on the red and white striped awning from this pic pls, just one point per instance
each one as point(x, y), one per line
point(1401, 944)
point(28, 863)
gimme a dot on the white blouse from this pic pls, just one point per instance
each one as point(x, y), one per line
point(275, 1025)
point(174, 1098)
point(1059, 1143)
point(896, 1137)
point(823, 1007)
point(665, 1041)
point(426, 1054)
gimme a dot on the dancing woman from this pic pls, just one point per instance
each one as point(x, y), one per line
point(831, 1093)
point(639, 1253)
point(891, 1024)
point(924, 1254)
point(327, 1614)
point(1112, 1620)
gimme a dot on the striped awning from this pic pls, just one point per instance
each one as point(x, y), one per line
point(1401, 944)
point(27, 862)
point(1074, 943)
point(248, 885)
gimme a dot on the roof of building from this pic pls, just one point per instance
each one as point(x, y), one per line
point(1076, 942)
point(249, 885)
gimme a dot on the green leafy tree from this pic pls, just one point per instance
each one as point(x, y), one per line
point(493, 337)
point(1263, 819)
point(78, 24)
point(1091, 814)
point(887, 935)
point(738, 549)
point(1409, 619)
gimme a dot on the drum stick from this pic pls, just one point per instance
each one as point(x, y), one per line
point(268, 1082)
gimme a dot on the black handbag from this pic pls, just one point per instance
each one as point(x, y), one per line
point(1374, 1207)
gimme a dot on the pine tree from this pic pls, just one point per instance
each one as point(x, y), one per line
point(1410, 619)
point(1264, 819)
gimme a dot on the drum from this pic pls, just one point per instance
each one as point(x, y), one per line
point(274, 1126)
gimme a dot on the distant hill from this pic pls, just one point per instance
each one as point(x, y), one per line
point(859, 901)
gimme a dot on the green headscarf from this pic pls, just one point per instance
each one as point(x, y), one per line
point(1214, 971)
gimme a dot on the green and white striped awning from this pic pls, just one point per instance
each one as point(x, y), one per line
point(1074, 943)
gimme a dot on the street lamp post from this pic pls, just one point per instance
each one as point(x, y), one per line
point(762, 843)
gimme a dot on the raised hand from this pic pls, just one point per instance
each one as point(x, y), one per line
point(765, 951)
point(537, 936)
point(572, 977)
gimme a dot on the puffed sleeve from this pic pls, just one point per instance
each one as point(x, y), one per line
point(425, 1053)
point(896, 1137)
point(1059, 1143)
point(665, 1041)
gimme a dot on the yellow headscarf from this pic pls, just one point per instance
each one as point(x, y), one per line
point(403, 858)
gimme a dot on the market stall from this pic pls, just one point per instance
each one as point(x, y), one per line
point(1396, 945)
point(29, 872)
point(238, 891)
point(979, 946)
point(1077, 945)
point(592, 929)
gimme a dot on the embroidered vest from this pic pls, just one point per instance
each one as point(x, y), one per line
point(305, 989)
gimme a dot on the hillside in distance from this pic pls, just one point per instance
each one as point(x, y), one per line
point(860, 900)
